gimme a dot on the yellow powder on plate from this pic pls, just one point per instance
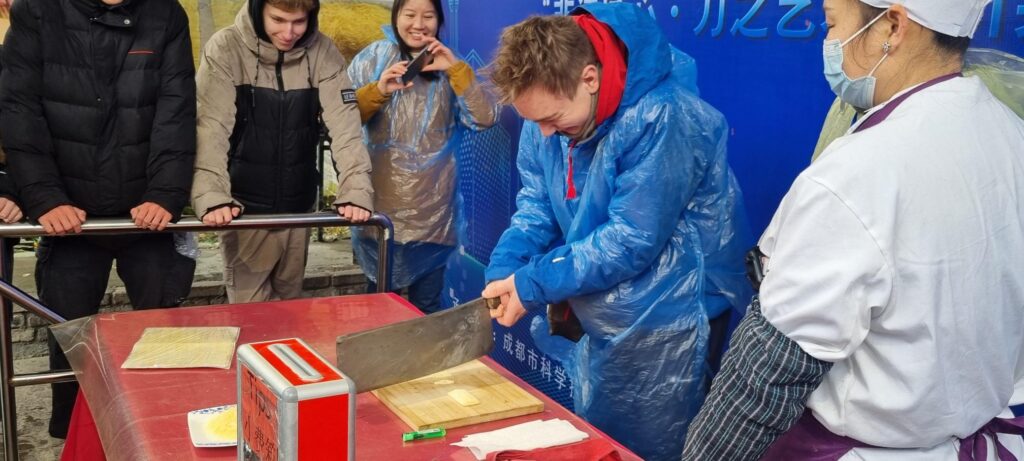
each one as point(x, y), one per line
point(223, 425)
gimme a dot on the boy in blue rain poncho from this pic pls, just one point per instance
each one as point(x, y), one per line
point(629, 213)
point(412, 132)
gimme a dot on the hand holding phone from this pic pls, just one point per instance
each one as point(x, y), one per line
point(414, 67)
point(443, 58)
point(390, 79)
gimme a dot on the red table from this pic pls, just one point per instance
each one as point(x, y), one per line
point(141, 414)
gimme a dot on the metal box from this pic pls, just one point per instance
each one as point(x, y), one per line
point(293, 405)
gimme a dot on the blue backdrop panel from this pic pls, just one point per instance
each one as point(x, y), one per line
point(759, 63)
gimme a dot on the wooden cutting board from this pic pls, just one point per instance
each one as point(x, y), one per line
point(425, 402)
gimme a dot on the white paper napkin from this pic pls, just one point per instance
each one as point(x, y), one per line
point(525, 436)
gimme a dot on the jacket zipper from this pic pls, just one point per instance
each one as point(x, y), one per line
point(280, 132)
point(277, 68)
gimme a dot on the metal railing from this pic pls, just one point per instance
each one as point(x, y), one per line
point(10, 293)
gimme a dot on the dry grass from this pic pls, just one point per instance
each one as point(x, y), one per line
point(352, 26)
point(224, 12)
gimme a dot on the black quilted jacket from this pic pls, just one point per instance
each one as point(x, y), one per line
point(97, 105)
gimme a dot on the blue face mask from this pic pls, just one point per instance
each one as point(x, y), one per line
point(859, 93)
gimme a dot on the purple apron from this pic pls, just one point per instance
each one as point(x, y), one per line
point(809, 440)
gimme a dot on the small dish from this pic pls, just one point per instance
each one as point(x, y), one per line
point(214, 427)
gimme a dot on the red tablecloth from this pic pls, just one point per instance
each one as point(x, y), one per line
point(141, 414)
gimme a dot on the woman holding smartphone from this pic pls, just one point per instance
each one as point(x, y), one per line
point(412, 127)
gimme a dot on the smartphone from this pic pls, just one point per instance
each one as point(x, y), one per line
point(415, 67)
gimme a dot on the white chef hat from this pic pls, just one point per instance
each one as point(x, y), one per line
point(958, 18)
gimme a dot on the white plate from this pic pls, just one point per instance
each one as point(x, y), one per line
point(197, 428)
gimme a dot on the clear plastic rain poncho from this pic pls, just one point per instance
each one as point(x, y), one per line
point(1003, 74)
point(412, 141)
point(652, 247)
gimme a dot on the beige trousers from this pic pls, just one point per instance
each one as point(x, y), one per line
point(264, 265)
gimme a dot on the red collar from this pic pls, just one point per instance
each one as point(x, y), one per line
point(611, 53)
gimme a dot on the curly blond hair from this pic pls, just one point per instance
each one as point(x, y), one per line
point(550, 51)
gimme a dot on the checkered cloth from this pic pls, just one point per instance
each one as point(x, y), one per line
point(757, 396)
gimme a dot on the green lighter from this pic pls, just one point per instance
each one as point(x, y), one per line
point(424, 434)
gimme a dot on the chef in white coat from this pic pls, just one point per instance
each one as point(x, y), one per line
point(890, 319)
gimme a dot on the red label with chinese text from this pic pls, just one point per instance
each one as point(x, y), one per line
point(259, 418)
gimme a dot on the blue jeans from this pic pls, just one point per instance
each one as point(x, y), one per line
point(424, 293)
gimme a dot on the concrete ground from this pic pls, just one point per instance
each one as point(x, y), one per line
point(33, 402)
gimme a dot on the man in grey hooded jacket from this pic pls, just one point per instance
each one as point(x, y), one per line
point(266, 86)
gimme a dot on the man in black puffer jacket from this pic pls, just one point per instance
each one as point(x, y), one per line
point(9, 210)
point(98, 111)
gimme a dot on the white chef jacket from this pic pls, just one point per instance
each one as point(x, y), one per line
point(899, 257)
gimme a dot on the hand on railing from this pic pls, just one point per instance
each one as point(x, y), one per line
point(9, 210)
point(150, 216)
point(191, 224)
point(353, 213)
point(221, 216)
point(63, 219)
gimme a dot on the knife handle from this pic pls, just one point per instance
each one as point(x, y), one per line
point(492, 303)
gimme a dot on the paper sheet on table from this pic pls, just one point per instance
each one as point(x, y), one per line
point(184, 347)
point(526, 436)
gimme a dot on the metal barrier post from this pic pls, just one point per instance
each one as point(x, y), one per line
point(9, 293)
point(385, 241)
point(8, 407)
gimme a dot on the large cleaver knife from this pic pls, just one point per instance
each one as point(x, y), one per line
point(417, 347)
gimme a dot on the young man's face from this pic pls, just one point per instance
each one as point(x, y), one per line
point(284, 28)
point(555, 113)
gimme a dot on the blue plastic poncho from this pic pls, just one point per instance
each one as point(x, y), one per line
point(652, 247)
point(412, 142)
